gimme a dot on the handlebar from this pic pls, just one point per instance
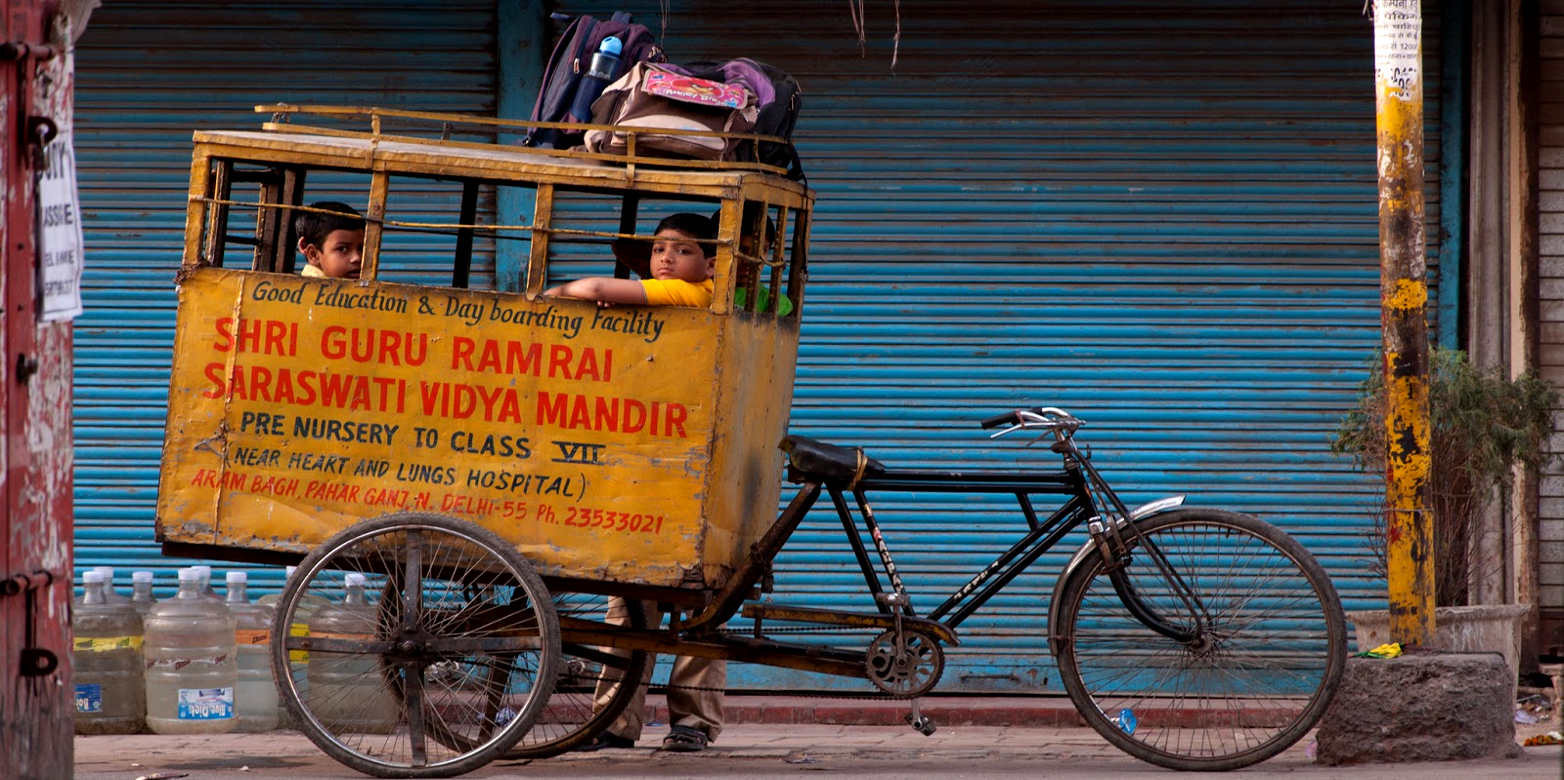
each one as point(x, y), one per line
point(1008, 418)
point(1047, 418)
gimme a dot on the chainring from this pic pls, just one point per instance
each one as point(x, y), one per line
point(908, 670)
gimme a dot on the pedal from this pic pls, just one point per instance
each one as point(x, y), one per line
point(919, 721)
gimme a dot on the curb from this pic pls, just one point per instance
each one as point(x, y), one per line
point(1028, 711)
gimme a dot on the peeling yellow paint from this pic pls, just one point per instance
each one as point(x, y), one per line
point(1407, 294)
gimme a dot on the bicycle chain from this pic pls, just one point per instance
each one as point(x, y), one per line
point(652, 687)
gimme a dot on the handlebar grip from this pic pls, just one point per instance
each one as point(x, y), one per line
point(1008, 418)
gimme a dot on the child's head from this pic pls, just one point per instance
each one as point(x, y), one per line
point(333, 242)
point(683, 248)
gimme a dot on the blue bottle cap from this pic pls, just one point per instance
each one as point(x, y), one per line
point(611, 45)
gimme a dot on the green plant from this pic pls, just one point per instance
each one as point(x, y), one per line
point(1482, 426)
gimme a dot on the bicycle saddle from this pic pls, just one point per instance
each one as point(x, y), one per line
point(827, 462)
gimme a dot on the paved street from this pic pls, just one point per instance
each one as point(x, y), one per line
point(762, 750)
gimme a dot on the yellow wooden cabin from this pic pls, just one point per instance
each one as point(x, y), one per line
point(630, 445)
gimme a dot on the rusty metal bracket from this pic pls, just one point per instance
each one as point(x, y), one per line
point(34, 661)
point(15, 51)
point(17, 584)
point(26, 366)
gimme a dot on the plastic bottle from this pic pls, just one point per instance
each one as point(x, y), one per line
point(599, 73)
point(255, 697)
point(298, 660)
point(106, 657)
point(347, 692)
point(206, 582)
point(109, 593)
point(190, 660)
point(141, 592)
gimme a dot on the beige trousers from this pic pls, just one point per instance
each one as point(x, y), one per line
point(688, 703)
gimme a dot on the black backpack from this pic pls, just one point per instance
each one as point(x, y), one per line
point(572, 54)
point(777, 116)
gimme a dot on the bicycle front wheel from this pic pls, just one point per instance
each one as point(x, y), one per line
point(1259, 648)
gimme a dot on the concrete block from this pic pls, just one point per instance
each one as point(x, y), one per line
point(1423, 706)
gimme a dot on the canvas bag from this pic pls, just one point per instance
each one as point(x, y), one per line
point(778, 98)
point(652, 95)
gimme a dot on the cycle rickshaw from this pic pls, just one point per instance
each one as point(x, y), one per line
point(494, 463)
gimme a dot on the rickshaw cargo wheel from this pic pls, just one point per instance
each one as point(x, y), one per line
point(458, 631)
point(571, 717)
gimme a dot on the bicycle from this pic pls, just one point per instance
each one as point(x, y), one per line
point(1195, 639)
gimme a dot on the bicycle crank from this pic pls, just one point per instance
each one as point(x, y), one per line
point(904, 664)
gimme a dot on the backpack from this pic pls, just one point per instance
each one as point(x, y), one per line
point(654, 95)
point(569, 61)
point(779, 99)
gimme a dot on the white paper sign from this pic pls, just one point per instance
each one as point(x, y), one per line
point(60, 257)
point(1398, 46)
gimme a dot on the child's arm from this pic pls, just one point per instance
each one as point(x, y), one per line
point(603, 289)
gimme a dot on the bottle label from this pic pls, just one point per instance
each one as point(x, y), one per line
point(206, 703)
point(252, 636)
point(89, 698)
point(104, 644)
point(299, 656)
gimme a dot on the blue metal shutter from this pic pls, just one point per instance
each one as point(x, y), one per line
point(1550, 274)
point(1159, 215)
point(148, 74)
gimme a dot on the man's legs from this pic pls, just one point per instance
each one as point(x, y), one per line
point(695, 686)
point(628, 724)
point(695, 694)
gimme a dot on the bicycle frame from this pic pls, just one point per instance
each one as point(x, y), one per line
point(1087, 499)
point(1041, 535)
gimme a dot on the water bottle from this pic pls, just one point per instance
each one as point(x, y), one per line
point(599, 73)
point(298, 660)
point(348, 692)
point(190, 662)
point(109, 593)
point(255, 696)
point(206, 583)
point(106, 657)
point(141, 592)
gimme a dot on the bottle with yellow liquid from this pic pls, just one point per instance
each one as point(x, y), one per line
point(106, 657)
point(347, 692)
point(255, 697)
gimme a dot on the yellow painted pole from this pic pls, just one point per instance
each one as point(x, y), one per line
point(1398, 87)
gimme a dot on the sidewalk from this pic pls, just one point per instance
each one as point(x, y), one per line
point(1017, 737)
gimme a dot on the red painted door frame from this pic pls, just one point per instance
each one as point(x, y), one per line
point(36, 695)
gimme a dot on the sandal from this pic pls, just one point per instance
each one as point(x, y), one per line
point(685, 739)
point(605, 740)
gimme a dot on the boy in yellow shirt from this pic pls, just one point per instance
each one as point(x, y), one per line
point(684, 256)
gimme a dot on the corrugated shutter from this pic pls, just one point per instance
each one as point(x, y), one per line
point(1550, 204)
point(148, 74)
point(1161, 216)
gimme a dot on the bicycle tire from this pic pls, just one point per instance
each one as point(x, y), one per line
point(571, 718)
point(479, 607)
point(1250, 683)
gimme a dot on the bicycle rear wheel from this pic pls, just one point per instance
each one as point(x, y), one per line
point(1265, 649)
